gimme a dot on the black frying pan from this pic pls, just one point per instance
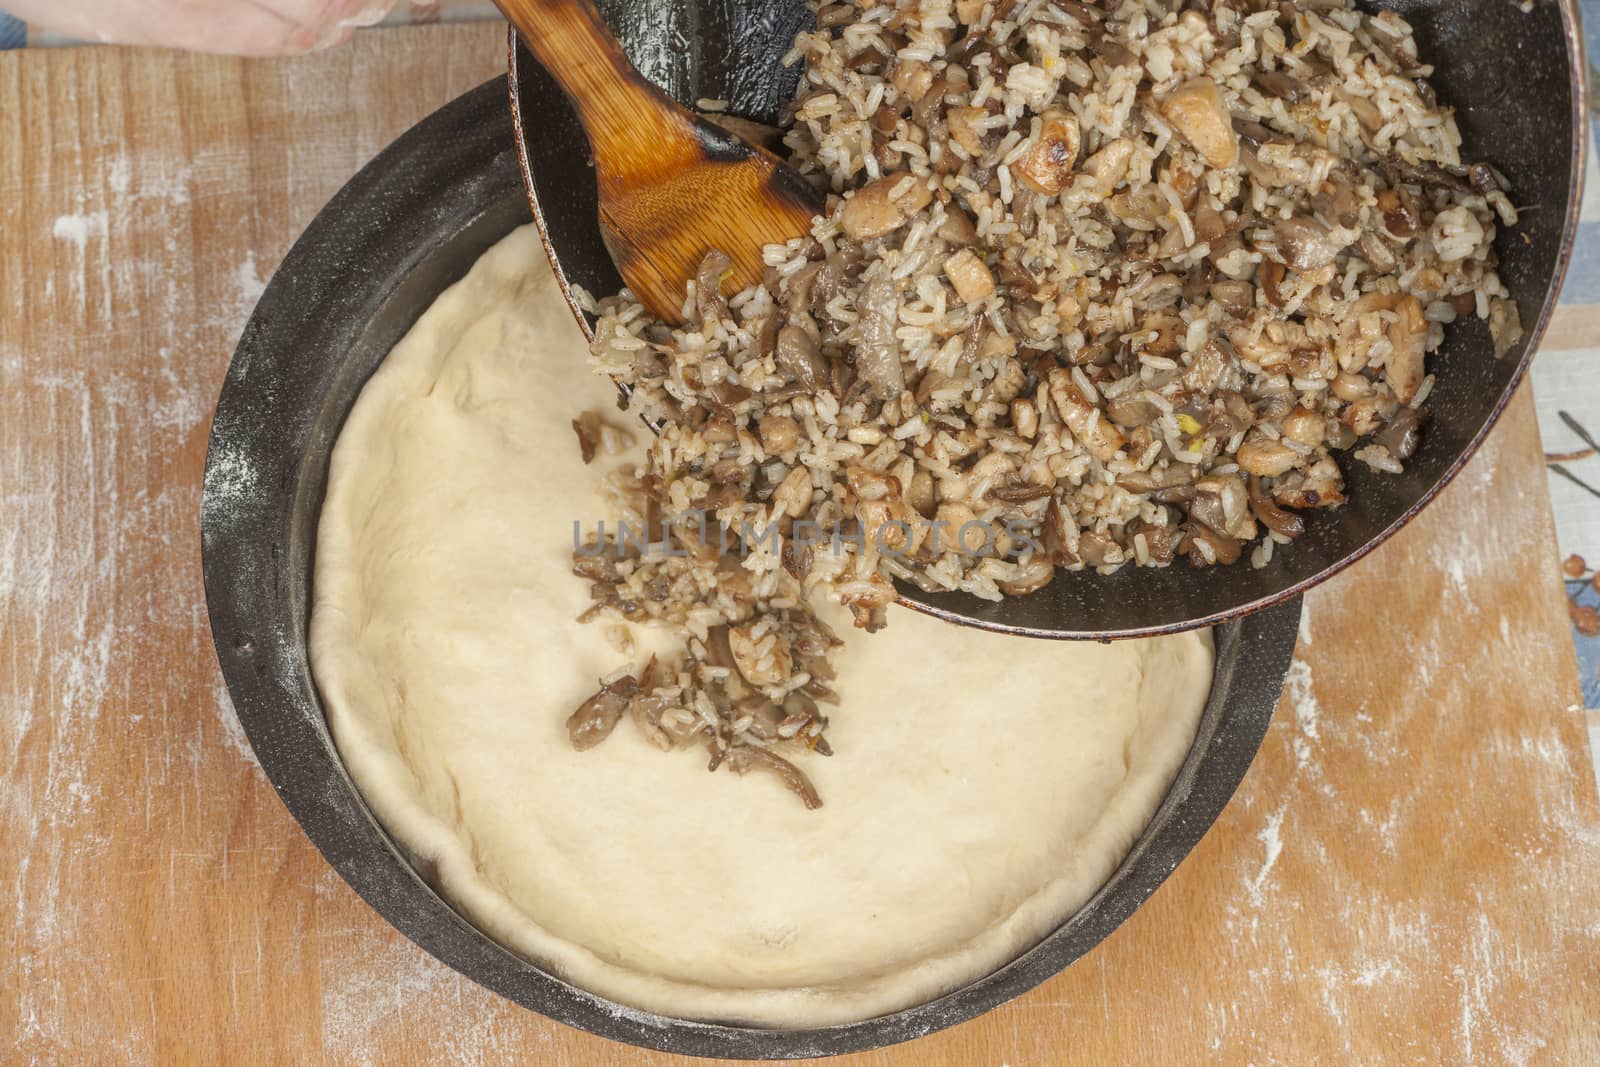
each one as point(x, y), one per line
point(409, 225)
point(1516, 81)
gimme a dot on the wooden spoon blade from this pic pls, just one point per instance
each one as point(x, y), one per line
point(673, 187)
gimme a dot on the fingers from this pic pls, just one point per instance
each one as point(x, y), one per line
point(232, 27)
point(368, 13)
point(334, 23)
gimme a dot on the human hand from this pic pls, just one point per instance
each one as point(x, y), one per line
point(235, 27)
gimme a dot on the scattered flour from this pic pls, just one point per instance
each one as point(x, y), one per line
point(1301, 698)
point(78, 229)
point(233, 734)
point(1272, 842)
point(248, 281)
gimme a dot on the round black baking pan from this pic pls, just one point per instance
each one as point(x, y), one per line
point(410, 224)
point(1516, 81)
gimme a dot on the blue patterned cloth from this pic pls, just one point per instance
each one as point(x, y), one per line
point(13, 33)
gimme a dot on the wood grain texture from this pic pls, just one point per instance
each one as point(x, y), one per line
point(672, 186)
point(1407, 875)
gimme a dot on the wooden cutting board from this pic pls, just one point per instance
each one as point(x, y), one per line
point(1408, 874)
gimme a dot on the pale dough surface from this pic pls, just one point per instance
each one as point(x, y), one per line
point(982, 788)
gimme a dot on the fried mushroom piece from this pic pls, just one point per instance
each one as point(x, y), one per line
point(744, 758)
point(596, 717)
point(1200, 113)
point(883, 206)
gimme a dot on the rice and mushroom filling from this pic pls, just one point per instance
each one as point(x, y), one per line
point(1098, 285)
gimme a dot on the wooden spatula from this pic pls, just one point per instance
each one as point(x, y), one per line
point(672, 185)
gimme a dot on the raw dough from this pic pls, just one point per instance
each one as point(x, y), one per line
point(982, 787)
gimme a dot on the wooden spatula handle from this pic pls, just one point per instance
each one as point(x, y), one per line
point(619, 108)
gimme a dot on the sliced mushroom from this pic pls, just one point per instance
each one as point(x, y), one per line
point(596, 717)
point(1306, 427)
point(1109, 165)
point(1271, 277)
point(779, 434)
point(764, 717)
point(1197, 282)
point(969, 11)
point(1365, 111)
point(1376, 251)
point(1160, 542)
point(1306, 244)
point(1208, 365)
point(885, 124)
point(743, 758)
point(1399, 214)
point(1027, 577)
point(797, 354)
point(1320, 486)
point(1209, 224)
point(1337, 200)
point(1047, 166)
point(880, 506)
point(1253, 134)
point(968, 276)
point(1262, 455)
point(1115, 53)
point(1403, 433)
point(1172, 476)
point(957, 227)
point(1236, 297)
point(1105, 440)
point(727, 394)
point(877, 349)
point(1224, 548)
point(1018, 491)
point(1365, 415)
point(883, 206)
point(1271, 515)
point(797, 558)
point(1277, 83)
point(1305, 362)
point(911, 78)
point(715, 269)
point(587, 427)
point(1129, 411)
point(962, 123)
point(598, 562)
point(925, 113)
point(1200, 113)
point(1098, 549)
point(1349, 387)
point(1408, 336)
point(1484, 179)
point(1229, 416)
point(1505, 325)
point(1206, 507)
point(726, 471)
point(1060, 536)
